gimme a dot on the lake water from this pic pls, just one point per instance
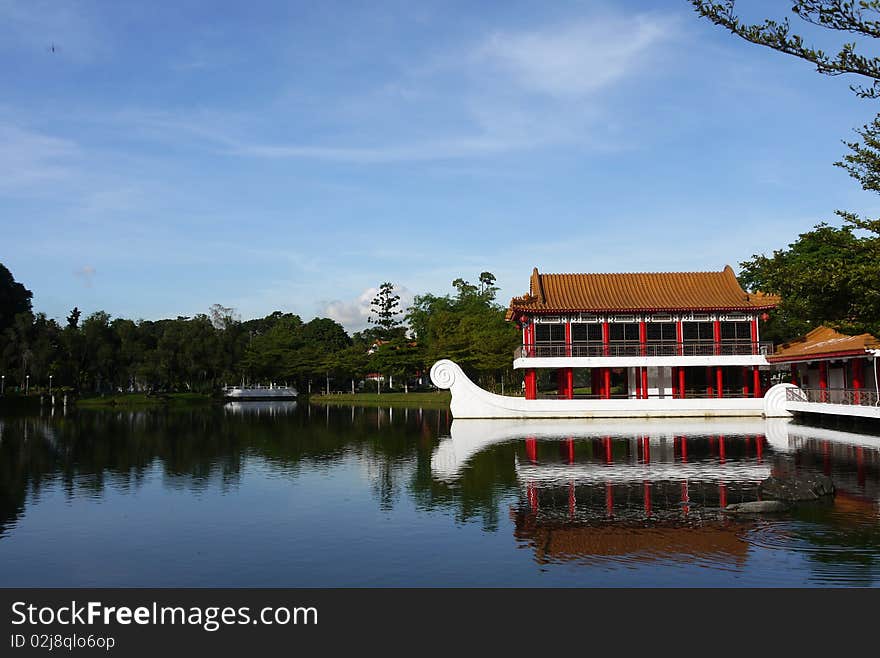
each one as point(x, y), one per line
point(280, 494)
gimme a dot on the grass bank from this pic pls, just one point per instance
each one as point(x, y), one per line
point(143, 400)
point(430, 399)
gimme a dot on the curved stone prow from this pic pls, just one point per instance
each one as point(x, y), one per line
point(775, 399)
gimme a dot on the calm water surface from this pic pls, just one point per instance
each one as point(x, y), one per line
point(295, 495)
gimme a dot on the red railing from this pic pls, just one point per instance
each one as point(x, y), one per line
point(620, 348)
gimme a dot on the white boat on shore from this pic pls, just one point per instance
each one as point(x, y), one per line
point(249, 393)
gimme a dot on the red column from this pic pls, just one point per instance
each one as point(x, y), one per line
point(710, 391)
point(678, 337)
point(606, 351)
point(794, 376)
point(645, 383)
point(754, 331)
point(643, 338)
point(719, 383)
point(568, 338)
point(531, 384)
point(823, 380)
point(674, 378)
point(606, 383)
point(716, 336)
point(857, 379)
point(681, 383)
point(756, 382)
point(745, 378)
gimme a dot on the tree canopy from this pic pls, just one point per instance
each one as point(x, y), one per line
point(14, 298)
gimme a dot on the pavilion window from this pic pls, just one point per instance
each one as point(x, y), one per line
point(624, 332)
point(586, 333)
point(550, 333)
point(736, 338)
point(700, 336)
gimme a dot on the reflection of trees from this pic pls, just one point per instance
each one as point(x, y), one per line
point(199, 448)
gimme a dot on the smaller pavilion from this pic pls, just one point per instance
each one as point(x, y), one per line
point(832, 367)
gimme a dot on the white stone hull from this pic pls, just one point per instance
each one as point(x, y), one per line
point(471, 401)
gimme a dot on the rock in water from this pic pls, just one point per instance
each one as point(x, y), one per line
point(796, 488)
point(757, 507)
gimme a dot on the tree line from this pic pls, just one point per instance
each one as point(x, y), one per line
point(101, 354)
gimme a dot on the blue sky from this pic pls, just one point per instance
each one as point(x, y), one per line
point(292, 156)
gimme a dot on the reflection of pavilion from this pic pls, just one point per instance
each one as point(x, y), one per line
point(268, 408)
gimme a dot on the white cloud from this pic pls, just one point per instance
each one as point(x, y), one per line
point(353, 314)
point(577, 60)
point(86, 273)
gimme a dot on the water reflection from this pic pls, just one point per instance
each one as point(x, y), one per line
point(319, 495)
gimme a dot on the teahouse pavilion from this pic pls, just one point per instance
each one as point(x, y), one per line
point(642, 335)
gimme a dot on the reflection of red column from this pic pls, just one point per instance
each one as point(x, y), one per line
point(532, 450)
point(647, 490)
point(532, 493)
point(607, 449)
point(823, 381)
point(722, 453)
point(684, 450)
point(722, 494)
point(759, 447)
point(685, 498)
point(609, 499)
point(646, 449)
point(570, 451)
point(572, 500)
point(860, 466)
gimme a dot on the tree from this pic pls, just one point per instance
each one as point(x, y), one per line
point(843, 15)
point(14, 298)
point(385, 313)
point(829, 275)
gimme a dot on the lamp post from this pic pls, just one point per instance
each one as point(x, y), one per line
point(2, 384)
point(50, 385)
point(27, 384)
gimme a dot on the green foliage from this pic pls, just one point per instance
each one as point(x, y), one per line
point(14, 298)
point(842, 15)
point(829, 275)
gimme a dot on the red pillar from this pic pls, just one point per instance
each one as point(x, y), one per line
point(710, 391)
point(756, 382)
point(716, 336)
point(606, 383)
point(569, 383)
point(857, 380)
point(745, 378)
point(681, 383)
point(719, 383)
point(674, 386)
point(645, 383)
point(565, 383)
point(605, 341)
point(678, 338)
point(531, 384)
point(568, 338)
point(823, 380)
point(794, 375)
point(753, 326)
point(643, 338)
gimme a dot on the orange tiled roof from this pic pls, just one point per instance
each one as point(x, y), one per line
point(824, 341)
point(644, 291)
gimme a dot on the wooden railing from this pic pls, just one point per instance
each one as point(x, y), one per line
point(620, 348)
